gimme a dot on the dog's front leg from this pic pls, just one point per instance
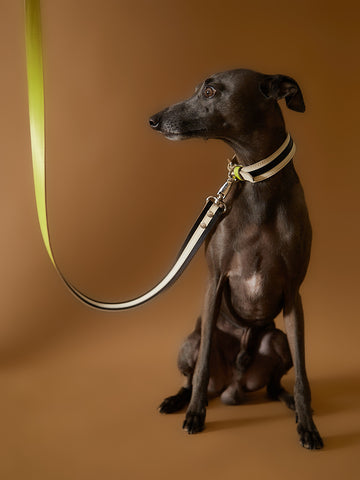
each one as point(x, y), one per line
point(195, 415)
point(294, 324)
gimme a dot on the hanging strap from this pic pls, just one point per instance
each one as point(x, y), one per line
point(206, 221)
point(34, 65)
point(208, 218)
point(201, 229)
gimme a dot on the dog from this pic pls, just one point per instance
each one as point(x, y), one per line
point(257, 256)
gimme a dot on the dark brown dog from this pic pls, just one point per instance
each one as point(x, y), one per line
point(257, 256)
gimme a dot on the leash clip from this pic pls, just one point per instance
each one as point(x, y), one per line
point(223, 192)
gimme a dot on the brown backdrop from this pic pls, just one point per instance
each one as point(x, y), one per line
point(79, 388)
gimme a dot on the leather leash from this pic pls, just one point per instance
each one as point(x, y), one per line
point(205, 223)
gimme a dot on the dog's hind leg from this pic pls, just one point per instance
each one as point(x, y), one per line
point(186, 363)
point(234, 394)
point(276, 391)
point(280, 350)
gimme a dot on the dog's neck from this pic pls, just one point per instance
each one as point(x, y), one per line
point(273, 189)
point(256, 146)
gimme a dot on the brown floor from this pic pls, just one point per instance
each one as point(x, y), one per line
point(79, 389)
point(84, 407)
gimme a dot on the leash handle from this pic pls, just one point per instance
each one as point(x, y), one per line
point(214, 208)
point(202, 227)
point(35, 77)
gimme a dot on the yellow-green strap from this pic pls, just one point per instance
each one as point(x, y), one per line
point(207, 219)
point(36, 111)
point(203, 225)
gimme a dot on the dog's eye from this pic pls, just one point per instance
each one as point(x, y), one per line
point(209, 92)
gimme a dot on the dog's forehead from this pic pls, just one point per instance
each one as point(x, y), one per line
point(233, 81)
point(225, 77)
point(231, 77)
point(218, 77)
point(239, 74)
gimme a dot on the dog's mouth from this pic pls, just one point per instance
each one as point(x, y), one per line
point(171, 135)
point(177, 129)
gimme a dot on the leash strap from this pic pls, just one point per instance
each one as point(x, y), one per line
point(34, 65)
point(204, 224)
point(208, 218)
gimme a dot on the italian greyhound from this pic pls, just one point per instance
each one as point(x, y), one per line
point(257, 256)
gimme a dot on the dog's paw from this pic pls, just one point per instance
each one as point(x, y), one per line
point(194, 422)
point(170, 405)
point(309, 437)
point(176, 402)
point(233, 395)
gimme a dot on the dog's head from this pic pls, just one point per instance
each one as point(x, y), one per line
point(229, 105)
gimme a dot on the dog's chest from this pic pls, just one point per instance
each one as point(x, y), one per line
point(253, 285)
point(249, 254)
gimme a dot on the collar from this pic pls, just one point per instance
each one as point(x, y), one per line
point(265, 168)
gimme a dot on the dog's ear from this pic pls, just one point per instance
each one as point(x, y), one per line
point(281, 86)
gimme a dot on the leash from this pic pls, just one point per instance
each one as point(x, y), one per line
point(214, 208)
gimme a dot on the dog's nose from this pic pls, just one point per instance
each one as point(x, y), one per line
point(154, 121)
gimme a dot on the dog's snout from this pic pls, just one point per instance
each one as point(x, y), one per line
point(154, 121)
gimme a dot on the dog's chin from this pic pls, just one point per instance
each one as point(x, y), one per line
point(176, 136)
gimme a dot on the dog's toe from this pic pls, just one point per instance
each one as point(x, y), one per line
point(194, 422)
point(310, 438)
point(176, 402)
point(170, 405)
